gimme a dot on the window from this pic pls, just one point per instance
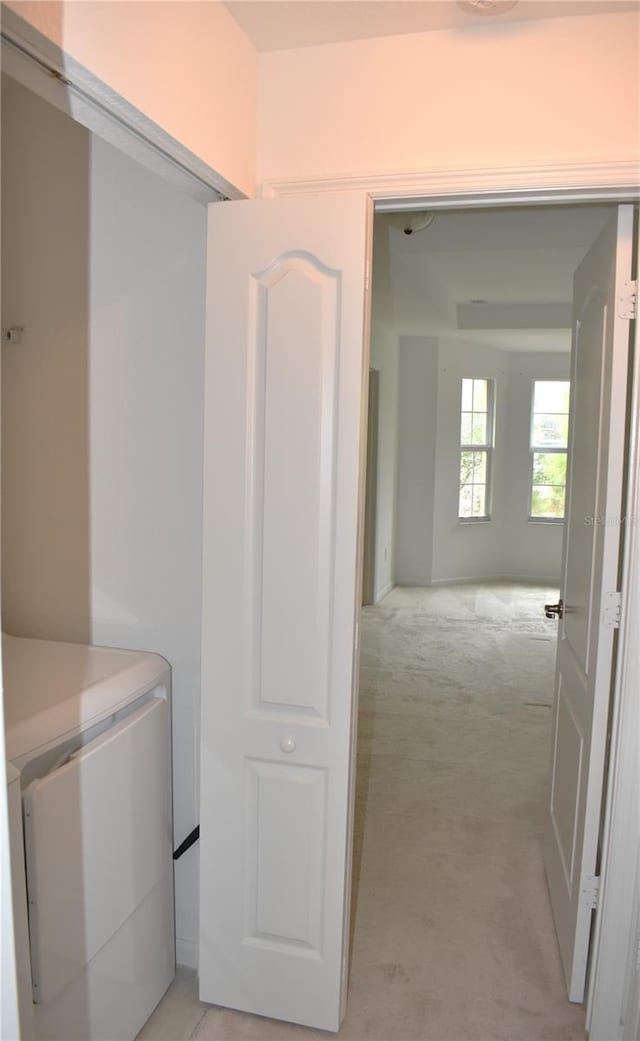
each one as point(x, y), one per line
point(476, 442)
point(548, 445)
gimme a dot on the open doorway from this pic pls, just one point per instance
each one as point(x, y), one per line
point(457, 662)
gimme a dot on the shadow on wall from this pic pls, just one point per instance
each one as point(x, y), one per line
point(46, 585)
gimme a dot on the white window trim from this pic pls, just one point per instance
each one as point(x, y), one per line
point(548, 450)
point(487, 447)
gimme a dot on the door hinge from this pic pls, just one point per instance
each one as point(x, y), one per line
point(628, 300)
point(13, 334)
point(589, 892)
point(611, 610)
point(367, 275)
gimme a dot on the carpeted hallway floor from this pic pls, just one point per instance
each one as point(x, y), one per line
point(452, 932)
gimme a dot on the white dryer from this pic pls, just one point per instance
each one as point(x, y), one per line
point(88, 741)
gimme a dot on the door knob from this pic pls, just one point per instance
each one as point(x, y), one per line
point(287, 744)
point(554, 610)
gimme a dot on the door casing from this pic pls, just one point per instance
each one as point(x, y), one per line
point(371, 490)
point(616, 937)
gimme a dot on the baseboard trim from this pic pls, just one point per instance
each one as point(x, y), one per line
point(187, 953)
point(380, 595)
point(533, 580)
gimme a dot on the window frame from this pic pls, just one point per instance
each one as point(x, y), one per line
point(486, 447)
point(547, 450)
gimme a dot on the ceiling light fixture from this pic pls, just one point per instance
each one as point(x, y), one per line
point(486, 6)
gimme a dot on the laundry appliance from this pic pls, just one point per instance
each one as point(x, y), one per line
point(88, 742)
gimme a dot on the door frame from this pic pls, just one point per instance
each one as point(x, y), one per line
point(616, 937)
point(371, 491)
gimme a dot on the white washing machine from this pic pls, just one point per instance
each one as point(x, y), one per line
point(88, 740)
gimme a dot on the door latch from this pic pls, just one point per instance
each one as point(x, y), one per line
point(554, 610)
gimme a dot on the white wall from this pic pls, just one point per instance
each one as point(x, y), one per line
point(432, 546)
point(186, 65)
point(45, 449)
point(103, 415)
point(560, 90)
point(417, 425)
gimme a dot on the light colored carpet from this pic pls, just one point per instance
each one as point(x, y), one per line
point(452, 932)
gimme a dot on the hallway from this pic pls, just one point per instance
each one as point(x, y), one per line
point(452, 932)
point(452, 908)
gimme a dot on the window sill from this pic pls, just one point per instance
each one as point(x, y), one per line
point(474, 520)
point(546, 520)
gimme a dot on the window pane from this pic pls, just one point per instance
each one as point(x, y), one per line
point(475, 415)
point(550, 429)
point(479, 429)
point(466, 428)
point(479, 500)
point(466, 498)
point(547, 501)
point(550, 468)
point(479, 395)
point(479, 467)
point(466, 468)
point(472, 502)
point(551, 396)
point(473, 428)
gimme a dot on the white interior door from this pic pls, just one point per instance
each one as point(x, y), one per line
point(287, 365)
point(600, 354)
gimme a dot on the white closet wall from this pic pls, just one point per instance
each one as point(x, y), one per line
point(103, 265)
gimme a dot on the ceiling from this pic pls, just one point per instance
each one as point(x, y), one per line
point(274, 25)
point(518, 263)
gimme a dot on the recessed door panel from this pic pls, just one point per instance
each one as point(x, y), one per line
point(297, 346)
point(286, 849)
point(566, 784)
point(587, 388)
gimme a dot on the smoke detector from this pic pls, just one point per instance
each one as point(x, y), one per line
point(486, 6)
point(412, 222)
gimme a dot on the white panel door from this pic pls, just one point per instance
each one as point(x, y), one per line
point(592, 543)
point(286, 371)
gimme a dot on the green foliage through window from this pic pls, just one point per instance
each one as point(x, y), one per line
point(476, 438)
point(549, 440)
